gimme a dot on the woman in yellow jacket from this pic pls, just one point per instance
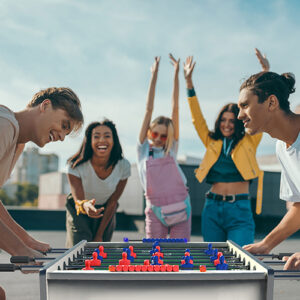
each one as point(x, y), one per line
point(228, 165)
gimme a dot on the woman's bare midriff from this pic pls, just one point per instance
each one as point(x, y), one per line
point(230, 188)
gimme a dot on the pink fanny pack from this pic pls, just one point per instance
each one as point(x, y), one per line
point(172, 214)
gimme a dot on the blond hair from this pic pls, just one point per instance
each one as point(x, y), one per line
point(161, 120)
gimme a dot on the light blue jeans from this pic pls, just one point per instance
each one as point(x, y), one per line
point(223, 221)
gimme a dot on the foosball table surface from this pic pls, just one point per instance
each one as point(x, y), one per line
point(246, 277)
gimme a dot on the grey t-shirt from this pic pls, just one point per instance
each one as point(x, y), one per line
point(9, 149)
point(95, 187)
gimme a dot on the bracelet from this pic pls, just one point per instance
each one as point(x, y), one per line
point(79, 207)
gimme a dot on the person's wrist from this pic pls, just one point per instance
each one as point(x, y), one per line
point(27, 239)
point(266, 246)
point(189, 84)
point(84, 207)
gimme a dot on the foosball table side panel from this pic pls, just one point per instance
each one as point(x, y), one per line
point(157, 289)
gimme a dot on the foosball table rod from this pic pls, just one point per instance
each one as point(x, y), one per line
point(287, 274)
point(273, 256)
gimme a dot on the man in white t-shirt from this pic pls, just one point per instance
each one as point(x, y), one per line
point(51, 115)
point(264, 107)
point(296, 111)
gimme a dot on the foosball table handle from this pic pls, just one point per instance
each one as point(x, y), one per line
point(8, 267)
point(27, 259)
point(21, 259)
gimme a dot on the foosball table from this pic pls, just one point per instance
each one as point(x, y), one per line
point(156, 269)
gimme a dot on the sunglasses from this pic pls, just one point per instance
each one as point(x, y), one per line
point(162, 137)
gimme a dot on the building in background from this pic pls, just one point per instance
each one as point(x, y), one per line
point(32, 164)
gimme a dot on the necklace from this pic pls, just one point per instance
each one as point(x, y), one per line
point(227, 148)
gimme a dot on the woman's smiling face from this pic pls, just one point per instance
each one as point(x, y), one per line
point(102, 141)
point(227, 124)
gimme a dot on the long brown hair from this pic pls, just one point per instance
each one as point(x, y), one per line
point(239, 130)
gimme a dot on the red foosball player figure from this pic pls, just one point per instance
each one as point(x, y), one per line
point(132, 252)
point(101, 252)
point(95, 262)
point(124, 260)
point(87, 265)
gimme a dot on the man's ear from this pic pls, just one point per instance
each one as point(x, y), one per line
point(273, 103)
point(45, 104)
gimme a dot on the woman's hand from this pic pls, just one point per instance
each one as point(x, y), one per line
point(263, 61)
point(175, 63)
point(154, 67)
point(188, 68)
point(91, 210)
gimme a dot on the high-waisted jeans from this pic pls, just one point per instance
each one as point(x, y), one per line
point(223, 221)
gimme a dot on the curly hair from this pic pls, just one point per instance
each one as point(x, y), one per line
point(265, 84)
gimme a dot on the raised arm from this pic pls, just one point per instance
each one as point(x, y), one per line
point(150, 101)
point(188, 68)
point(83, 205)
point(175, 97)
point(197, 116)
point(262, 60)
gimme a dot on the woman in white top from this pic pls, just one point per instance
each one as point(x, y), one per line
point(97, 174)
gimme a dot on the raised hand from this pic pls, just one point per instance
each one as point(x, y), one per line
point(262, 60)
point(154, 67)
point(188, 67)
point(91, 210)
point(175, 63)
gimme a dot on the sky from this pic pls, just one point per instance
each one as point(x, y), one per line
point(103, 50)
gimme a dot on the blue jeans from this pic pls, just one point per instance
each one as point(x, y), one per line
point(223, 221)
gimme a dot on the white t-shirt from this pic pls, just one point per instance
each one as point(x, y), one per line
point(143, 155)
point(9, 150)
point(100, 189)
point(290, 173)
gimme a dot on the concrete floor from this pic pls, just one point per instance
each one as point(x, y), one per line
point(26, 286)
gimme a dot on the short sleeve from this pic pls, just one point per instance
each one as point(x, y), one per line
point(7, 135)
point(125, 169)
point(72, 171)
point(142, 149)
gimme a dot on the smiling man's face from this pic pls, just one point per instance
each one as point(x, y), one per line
point(253, 114)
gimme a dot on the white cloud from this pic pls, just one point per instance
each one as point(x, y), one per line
point(103, 50)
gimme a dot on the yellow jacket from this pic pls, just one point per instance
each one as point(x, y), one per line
point(243, 154)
